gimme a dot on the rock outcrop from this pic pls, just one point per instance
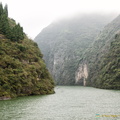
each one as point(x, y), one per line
point(64, 42)
point(81, 74)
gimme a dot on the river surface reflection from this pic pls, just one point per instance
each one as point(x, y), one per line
point(68, 103)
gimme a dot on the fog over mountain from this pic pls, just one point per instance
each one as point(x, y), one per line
point(34, 15)
point(65, 43)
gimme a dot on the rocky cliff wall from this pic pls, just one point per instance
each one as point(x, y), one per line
point(81, 74)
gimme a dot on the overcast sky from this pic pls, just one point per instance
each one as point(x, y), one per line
point(34, 15)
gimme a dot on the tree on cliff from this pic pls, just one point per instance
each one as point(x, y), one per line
point(14, 33)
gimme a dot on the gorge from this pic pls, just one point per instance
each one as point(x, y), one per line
point(74, 48)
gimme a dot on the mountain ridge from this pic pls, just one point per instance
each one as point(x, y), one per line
point(22, 69)
point(64, 42)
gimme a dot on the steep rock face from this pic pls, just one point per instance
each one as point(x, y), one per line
point(96, 53)
point(109, 72)
point(64, 42)
point(81, 74)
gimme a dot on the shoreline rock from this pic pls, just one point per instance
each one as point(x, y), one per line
point(5, 98)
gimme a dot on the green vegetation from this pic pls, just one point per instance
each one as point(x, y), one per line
point(15, 32)
point(107, 74)
point(103, 58)
point(64, 42)
point(22, 69)
point(69, 45)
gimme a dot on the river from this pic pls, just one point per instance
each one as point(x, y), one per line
point(68, 103)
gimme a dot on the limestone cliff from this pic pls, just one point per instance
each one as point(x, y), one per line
point(103, 57)
point(81, 74)
point(64, 42)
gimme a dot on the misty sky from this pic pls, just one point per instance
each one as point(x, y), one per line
point(34, 15)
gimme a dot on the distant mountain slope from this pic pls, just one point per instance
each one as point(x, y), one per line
point(105, 45)
point(64, 42)
point(22, 69)
point(109, 72)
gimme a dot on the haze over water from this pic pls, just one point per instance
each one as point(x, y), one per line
point(68, 103)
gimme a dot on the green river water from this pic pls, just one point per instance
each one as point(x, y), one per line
point(68, 103)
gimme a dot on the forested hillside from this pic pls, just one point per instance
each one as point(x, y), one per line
point(64, 42)
point(22, 69)
point(8, 27)
point(102, 59)
point(109, 71)
point(83, 51)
